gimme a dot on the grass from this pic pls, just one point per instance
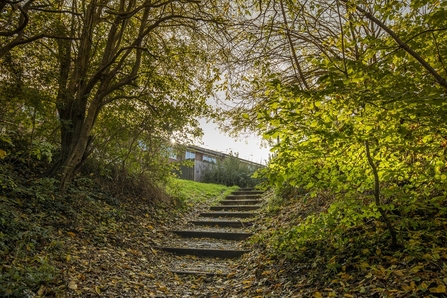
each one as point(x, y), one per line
point(196, 192)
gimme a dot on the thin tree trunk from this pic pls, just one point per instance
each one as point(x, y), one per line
point(377, 197)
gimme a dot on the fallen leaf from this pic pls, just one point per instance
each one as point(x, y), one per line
point(399, 273)
point(41, 290)
point(438, 289)
point(2, 154)
point(231, 274)
point(406, 287)
point(72, 285)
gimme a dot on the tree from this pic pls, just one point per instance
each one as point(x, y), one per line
point(142, 37)
point(344, 73)
point(153, 61)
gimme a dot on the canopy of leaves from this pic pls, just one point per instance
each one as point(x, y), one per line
point(328, 77)
point(112, 79)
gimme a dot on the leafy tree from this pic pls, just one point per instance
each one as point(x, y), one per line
point(146, 59)
point(343, 74)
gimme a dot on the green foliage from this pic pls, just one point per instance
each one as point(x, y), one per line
point(25, 265)
point(231, 172)
point(341, 216)
point(339, 245)
point(359, 87)
point(345, 232)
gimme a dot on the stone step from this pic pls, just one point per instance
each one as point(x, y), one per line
point(252, 192)
point(235, 207)
point(240, 202)
point(242, 197)
point(191, 265)
point(246, 189)
point(222, 223)
point(198, 272)
point(229, 214)
point(206, 252)
point(211, 234)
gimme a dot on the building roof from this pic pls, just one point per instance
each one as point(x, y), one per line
point(213, 153)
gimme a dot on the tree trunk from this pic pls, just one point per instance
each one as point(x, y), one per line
point(394, 243)
point(75, 140)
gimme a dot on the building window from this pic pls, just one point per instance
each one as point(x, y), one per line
point(190, 155)
point(209, 159)
point(172, 154)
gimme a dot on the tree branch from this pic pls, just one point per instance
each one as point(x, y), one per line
point(292, 48)
point(441, 81)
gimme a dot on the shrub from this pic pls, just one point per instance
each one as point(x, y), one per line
point(231, 172)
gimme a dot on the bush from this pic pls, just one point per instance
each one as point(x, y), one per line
point(231, 172)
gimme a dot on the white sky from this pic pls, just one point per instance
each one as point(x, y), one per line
point(249, 148)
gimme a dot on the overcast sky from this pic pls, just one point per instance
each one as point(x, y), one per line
point(248, 147)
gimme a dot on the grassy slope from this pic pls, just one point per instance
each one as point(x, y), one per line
point(84, 242)
point(192, 192)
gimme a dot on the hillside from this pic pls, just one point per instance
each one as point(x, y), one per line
point(316, 248)
point(87, 241)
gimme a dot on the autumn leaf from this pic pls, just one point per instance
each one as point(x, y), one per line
point(2, 154)
point(231, 274)
point(406, 287)
point(72, 285)
point(439, 289)
point(266, 272)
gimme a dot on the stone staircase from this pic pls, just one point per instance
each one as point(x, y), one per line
point(207, 243)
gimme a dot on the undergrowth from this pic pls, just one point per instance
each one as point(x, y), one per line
point(42, 229)
point(339, 246)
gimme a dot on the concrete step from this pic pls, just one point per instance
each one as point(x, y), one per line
point(252, 192)
point(229, 214)
point(235, 207)
point(240, 202)
point(198, 272)
point(222, 223)
point(206, 252)
point(211, 234)
point(246, 189)
point(242, 197)
point(191, 265)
